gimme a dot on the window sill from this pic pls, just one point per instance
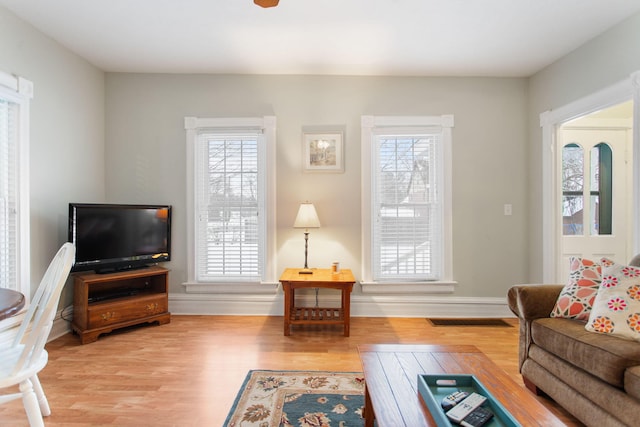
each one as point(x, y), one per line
point(416, 288)
point(231, 288)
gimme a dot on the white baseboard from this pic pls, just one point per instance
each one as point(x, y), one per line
point(361, 305)
point(60, 326)
point(9, 328)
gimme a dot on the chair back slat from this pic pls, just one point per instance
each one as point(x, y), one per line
point(37, 323)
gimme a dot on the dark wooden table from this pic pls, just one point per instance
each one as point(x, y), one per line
point(291, 280)
point(11, 302)
point(391, 377)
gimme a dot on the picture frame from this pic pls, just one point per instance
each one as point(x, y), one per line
point(323, 151)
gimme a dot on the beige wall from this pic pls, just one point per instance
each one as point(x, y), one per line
point(496, 155)
point(145, 158)
point(67, 132)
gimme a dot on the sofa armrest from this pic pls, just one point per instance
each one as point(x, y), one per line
point(530, 302)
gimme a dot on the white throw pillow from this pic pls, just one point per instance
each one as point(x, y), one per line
point(616, 309)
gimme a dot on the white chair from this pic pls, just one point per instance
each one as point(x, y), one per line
point(21, 362)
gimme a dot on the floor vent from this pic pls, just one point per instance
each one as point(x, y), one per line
point(469, 322)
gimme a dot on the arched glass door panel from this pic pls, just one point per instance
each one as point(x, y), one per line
point(572, 190)
point(598, 193)
point(601, 183)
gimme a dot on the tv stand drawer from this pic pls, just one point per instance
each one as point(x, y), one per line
point(127, 309)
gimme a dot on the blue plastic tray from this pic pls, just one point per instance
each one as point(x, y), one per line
point(432, 394)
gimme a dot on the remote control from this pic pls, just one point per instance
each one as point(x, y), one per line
point(464, 408)
point(453, 399)
point(477, 418)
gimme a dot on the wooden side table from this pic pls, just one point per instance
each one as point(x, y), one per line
point(291, 280)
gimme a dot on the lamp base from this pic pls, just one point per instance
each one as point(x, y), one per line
point(305, 271)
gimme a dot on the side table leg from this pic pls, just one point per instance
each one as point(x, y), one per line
point(346, 311)
point(288, 297)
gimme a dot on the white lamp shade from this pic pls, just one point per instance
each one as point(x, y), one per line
point(307, 217)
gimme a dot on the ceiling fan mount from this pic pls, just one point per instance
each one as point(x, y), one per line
point(266, 3)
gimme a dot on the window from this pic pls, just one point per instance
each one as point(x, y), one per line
point(406, 208)
point(231, 198)
point(15, 94)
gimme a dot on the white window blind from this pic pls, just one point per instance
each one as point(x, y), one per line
point(230, 230)
point(15, 94)
point(230, 202)
point(407, 227)
point(406, 203)
point(8, 194)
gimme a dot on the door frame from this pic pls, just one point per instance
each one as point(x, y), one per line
point(628, 89)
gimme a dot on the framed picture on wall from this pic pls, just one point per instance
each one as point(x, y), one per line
point(323, 151)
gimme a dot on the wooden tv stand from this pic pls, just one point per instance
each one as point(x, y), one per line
point(104, 302)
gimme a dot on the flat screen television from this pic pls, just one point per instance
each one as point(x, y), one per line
point(114, 237)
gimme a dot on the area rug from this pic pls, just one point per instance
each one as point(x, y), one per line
point(299, 399)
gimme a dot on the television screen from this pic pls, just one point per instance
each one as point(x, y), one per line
point(111, 237)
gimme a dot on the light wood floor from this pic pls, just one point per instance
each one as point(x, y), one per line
point(187, 373)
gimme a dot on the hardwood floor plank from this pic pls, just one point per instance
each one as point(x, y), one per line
point(187, 373)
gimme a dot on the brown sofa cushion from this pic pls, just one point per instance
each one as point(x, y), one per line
point(604, 356)
point(632, 382)
point(613, 400)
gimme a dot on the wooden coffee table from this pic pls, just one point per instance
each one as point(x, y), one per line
point(391, 377)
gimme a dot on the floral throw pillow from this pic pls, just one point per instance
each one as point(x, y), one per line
point(576, 298)
point(616, 309)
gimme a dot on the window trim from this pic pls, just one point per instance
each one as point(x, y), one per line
point(20, 91)
point(369, 124)
point(192, 126)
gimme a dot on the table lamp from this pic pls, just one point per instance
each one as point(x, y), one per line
point(307, 218)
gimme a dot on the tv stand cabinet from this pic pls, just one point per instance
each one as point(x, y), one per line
point(104, 302)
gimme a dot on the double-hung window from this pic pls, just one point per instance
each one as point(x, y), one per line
point(15, 95)
point(407, 199)
point(231, 199)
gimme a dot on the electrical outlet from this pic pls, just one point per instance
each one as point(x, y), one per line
point(508, 209)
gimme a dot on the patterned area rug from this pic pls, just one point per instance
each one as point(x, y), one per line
point(299, 399)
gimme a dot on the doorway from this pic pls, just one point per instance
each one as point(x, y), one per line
point(595, 170)
point(614, 108)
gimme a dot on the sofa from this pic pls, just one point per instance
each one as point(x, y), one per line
point(594, 376)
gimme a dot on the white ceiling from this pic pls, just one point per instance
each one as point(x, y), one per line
point(340, 37)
